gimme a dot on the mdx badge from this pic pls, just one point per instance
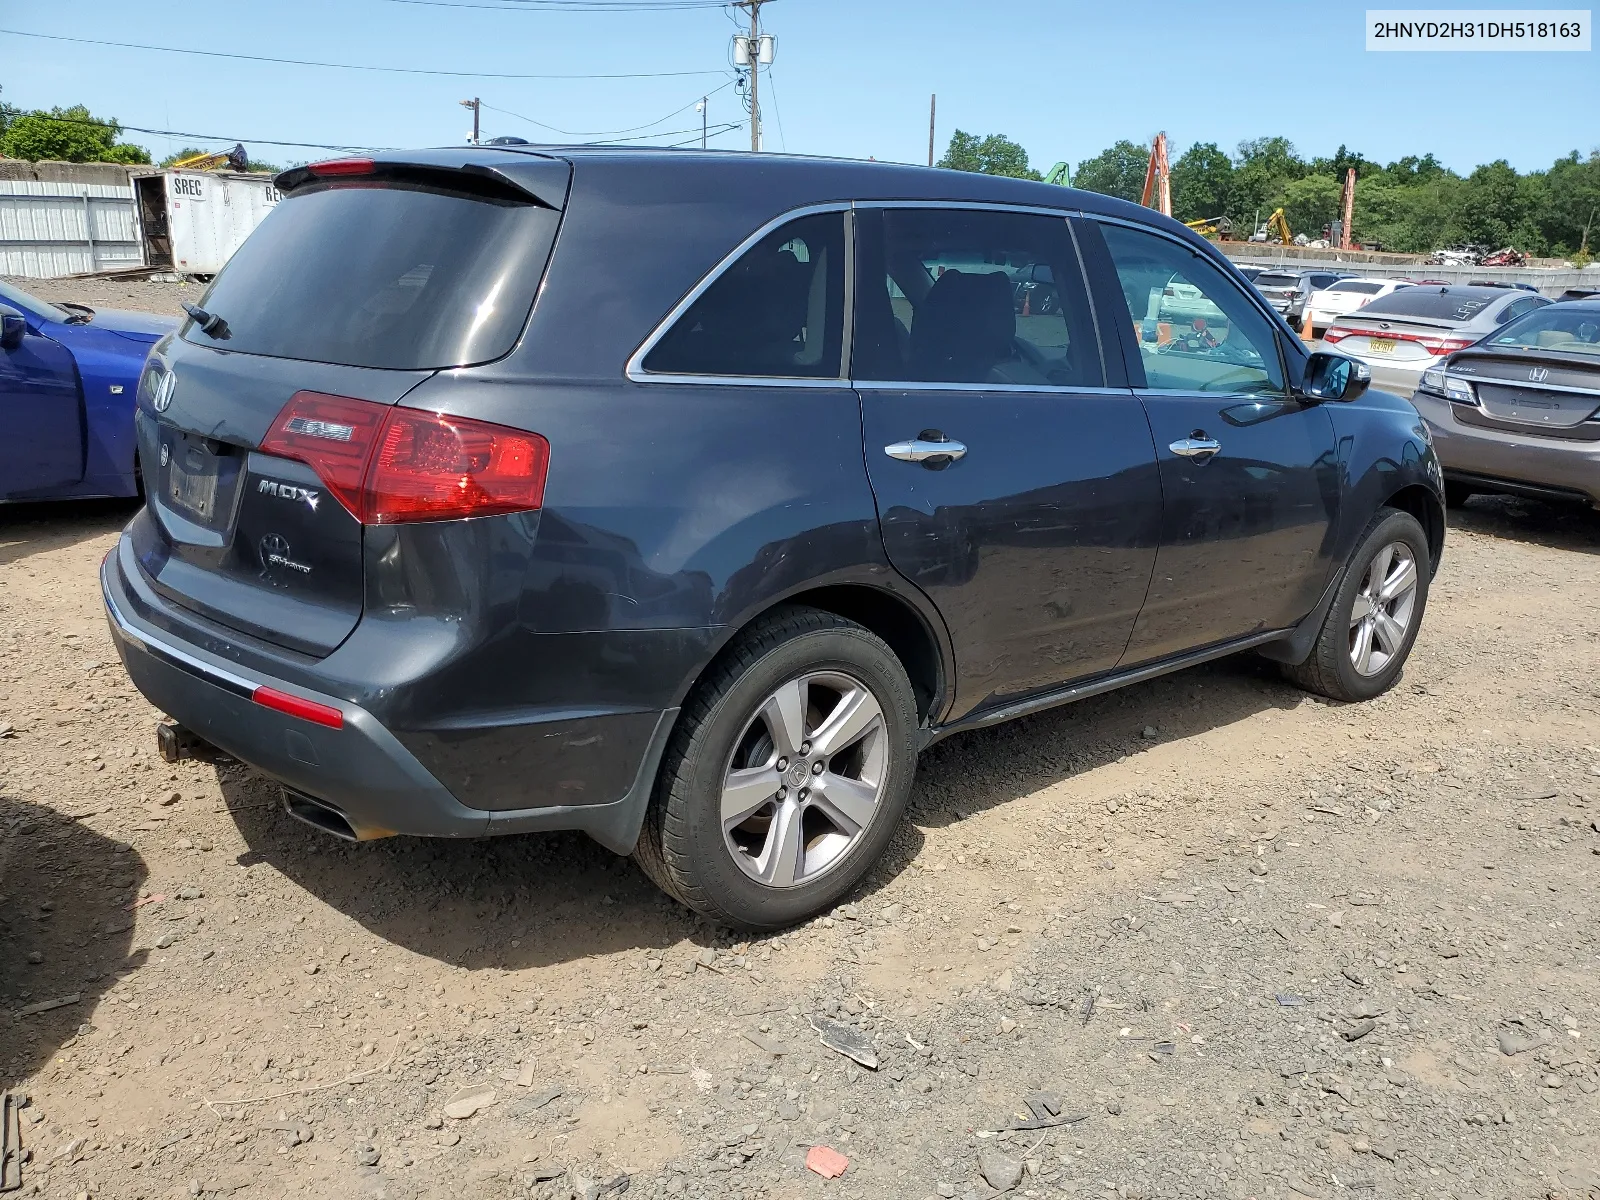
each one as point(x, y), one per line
point(289, 491)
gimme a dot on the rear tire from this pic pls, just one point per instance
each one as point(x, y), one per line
point(757, 845)
point(1372, 624)
point(1456, 494)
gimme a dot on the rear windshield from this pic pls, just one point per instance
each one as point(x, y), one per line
point(1437, 303)
point(1366, 289)
point(1554, 327)
point(397, 276)
point(1277, 280)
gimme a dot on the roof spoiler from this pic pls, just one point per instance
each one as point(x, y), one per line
point(526, 177)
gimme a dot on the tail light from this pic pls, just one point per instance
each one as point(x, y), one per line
point(389, 465)
point(342, 166)
point(1431, 342)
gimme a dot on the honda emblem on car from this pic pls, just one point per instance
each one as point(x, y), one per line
point(1538, 374)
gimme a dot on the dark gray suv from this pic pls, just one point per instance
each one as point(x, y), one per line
point(683, 498)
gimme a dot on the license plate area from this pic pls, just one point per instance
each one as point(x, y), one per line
point(197, 477)
point(1381, 345)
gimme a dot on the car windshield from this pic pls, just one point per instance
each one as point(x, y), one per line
point(1554, 327)
point(1445, 303)
point(1272, 280)
point(17, 298)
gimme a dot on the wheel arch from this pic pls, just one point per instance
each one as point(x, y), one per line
point(1423, 504)
point(916, 636)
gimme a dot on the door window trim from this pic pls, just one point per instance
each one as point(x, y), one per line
point(1251, 296)
point(635, 372)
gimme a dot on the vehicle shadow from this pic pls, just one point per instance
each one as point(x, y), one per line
point(1558, 526)
point(65, 929)
point(527, 901)
point(29, 529)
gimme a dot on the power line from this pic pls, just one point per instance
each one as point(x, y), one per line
point(776, 111)
point(667, 133)
point(202, 137)
point(718, 132)
point(300, 62)
point(606, 132)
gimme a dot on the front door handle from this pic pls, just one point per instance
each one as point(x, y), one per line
point(921, 450)
point(1196, 446)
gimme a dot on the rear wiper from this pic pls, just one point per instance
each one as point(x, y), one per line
point(211, 324)
point(82, 313)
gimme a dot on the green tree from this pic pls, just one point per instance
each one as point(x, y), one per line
point(1263, 168)
point(1118, 171)
point(994, 154)
point(1492, 204)
point(67, 135)
point(1570, 216)
point(1310, 203)
point(1201, 181)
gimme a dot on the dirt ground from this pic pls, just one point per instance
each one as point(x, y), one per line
point(1204, 937)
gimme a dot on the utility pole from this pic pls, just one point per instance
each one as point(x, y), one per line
point(702, 107)
point(933, 108)
point(476, 106)
point(754, 50)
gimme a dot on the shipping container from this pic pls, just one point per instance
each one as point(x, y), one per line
point(193, 221)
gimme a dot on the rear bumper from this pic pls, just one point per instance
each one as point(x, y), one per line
point(1401, 378)
point(1522, 464)
point(360, 771)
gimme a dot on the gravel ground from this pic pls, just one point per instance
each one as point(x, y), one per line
point(1204, 937)
point(145, 296)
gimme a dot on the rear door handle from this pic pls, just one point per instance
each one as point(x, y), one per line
point(1195, 447)
point(918, 450)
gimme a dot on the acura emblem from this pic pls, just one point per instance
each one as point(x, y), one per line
point(1538, 374)
point(162, 400)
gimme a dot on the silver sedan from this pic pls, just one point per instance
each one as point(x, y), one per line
point(1410, 331)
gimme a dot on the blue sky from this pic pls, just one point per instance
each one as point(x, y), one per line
point(1065, 79)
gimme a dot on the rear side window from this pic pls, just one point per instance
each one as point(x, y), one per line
point(777, 312)
point(403, 276)
point(971, 296)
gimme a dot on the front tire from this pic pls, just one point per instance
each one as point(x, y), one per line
point(787, 774)
point(1372, 624)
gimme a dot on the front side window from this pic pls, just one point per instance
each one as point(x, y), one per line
point(1196, 330)
point(971, 296)
point(776, 312)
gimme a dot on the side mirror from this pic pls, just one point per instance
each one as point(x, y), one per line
point(1335, 377)
point(13, 326)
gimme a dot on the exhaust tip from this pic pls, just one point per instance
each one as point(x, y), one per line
point(325, 817)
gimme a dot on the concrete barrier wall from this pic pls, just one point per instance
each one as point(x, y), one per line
point(1551, 281)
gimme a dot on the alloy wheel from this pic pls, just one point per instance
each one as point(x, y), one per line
point(805, 779)
point(1383, 608)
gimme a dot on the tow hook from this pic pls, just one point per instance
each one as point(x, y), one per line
point(176, 743)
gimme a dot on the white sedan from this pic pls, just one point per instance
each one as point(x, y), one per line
point(1345, 297)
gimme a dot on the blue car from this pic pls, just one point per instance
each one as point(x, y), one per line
point(68, 374)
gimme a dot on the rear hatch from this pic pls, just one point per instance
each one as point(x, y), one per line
point(1277, 288)
point(259, 424)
